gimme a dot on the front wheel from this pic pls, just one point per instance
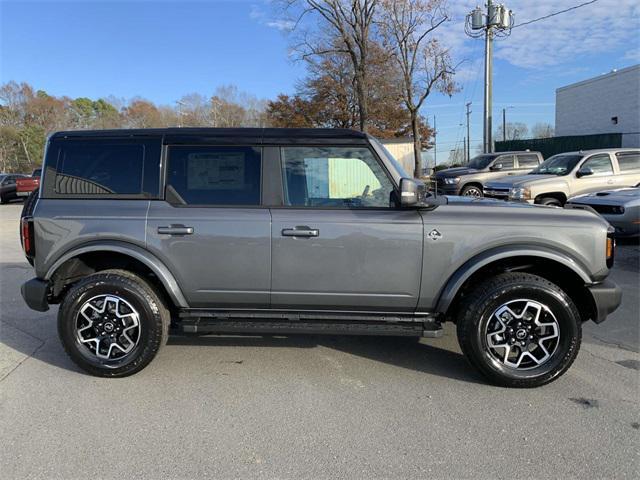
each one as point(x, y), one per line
point(550, 202)
point(112, 323)
point(471, 191)
point(519, 330)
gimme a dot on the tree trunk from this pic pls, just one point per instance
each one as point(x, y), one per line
point(417, 144)
point(363, 106)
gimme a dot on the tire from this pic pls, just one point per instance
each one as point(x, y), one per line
point(472, 191)
point(2, 200)
point(135, 300)
point(550, 201)
point(523, 293)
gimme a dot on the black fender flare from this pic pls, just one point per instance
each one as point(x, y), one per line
point(461, 275)
point(138, 253)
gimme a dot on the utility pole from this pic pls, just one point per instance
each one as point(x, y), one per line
point(504, 124)
point(497, 21)
point(468, 134)
point(435, 155)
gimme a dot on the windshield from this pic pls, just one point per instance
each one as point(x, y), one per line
point(557, 165)
point(481, 161)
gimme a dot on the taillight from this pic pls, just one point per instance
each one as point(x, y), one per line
point(611, 250)
point(26, 234)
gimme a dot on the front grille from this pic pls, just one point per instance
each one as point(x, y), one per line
point(608, 209)
point(496, 193)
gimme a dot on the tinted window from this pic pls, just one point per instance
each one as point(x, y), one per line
point(560, 164)
point(599, 164)
point(36, 172)
point(506, 161)
point(481, 161)
point(628, 161)
point(107, 167)
point(528, 161)
point(343, 177)
point(214, 175)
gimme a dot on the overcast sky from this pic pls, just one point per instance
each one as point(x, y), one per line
point(162, 50)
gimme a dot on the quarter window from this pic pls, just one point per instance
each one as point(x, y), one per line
point(600, 164)
point(107, 167)
point(628, 161)
point(338, 177)
point(214, 175)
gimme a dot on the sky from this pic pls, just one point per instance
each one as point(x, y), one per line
point(164, 49)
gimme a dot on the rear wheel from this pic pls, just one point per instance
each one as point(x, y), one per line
point(113, 323)
point(471, 191)
point(519, 330)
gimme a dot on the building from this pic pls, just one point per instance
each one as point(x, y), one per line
point(607, 104)
point(402, 149)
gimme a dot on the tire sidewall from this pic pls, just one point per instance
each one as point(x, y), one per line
point(570, 332)
point(466, 190)
point(149, 318)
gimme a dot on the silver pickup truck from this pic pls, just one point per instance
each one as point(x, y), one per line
point(139, 233)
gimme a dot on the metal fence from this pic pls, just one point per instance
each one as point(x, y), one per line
point(554, 145)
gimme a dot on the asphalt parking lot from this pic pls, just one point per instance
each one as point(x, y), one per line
point(311, 406)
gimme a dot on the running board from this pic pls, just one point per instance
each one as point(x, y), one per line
point(317, 323)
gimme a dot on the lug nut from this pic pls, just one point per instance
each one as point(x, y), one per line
point(522, 343)
point(530, 337)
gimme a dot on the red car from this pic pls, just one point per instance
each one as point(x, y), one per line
point(26, 185)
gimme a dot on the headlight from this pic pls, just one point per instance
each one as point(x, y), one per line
point(452, 181)
point(520, 193)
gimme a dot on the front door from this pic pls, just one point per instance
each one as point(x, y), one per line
point(339, 242)
point(602, 177)
point(211, 230)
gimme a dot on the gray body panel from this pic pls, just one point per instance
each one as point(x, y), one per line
point(226, 262)
point(361, 259)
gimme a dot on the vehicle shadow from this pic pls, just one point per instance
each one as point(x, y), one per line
point(403, 352)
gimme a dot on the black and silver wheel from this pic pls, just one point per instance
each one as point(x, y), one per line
point(472, 191)
point(519, 330)
point(112, 323)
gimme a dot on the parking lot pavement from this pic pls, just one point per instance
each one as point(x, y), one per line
point(311, 407)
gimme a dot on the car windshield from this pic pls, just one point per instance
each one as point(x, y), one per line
point(481, 161)
point(557, 165)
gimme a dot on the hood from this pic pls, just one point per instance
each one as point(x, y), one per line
point(455, 172)
point(620, 196)
point(508, 182)
point(486, 202)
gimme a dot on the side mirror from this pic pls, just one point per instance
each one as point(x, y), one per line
point(584, 172)
point(496, 168)
point(412, 192)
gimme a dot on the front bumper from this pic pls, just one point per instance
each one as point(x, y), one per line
point(607, 297)
point(35, 293)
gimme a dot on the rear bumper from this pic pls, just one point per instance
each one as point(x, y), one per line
point(23, 194)
point(607, 297)
point(35, 292)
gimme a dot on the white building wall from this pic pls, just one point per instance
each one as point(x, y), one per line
point(587, 107)
point(403, 153)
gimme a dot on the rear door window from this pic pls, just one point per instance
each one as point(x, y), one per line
point(214, 176)
point(628, 161)
point(528, 161)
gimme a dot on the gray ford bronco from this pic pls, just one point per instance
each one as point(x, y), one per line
point(139, 233)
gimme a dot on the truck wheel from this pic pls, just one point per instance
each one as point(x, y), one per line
point(471, 191)
point(550, 201)
point(519, 330)
point(112, 323)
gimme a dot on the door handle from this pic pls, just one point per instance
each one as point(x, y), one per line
point(175, 230)
point(305, 232)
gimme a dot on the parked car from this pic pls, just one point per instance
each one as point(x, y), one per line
point(620, 207)
point(470, 180)
point(282, 231)
point(26, 185)
point(569, 174)
point(8, 186)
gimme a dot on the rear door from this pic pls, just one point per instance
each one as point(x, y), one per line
point(628, 168)
point(210, 229)
point(526, 162)
point(339, 242)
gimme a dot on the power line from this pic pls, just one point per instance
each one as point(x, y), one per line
point(554, 14)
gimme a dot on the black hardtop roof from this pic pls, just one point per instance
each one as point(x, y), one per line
point(242, 135)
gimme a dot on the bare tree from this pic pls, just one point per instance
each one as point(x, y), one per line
point(407, 28)
point(344, 26)
point(514, 131)
point(542, 130)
